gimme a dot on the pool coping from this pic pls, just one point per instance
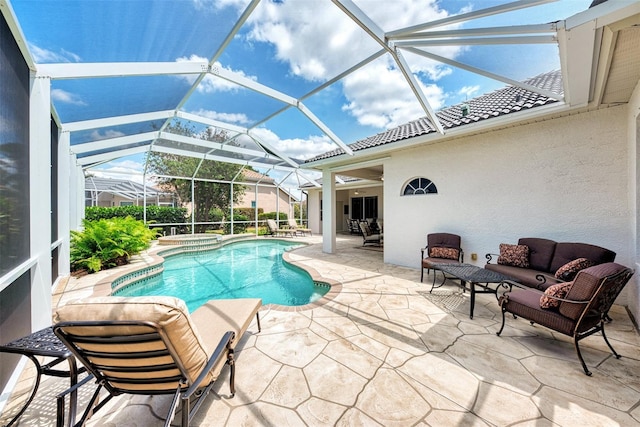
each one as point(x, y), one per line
point(150, 263)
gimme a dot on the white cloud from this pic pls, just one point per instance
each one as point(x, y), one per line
point(219, 4)
point(121, 169)
point(211, 83)
point(66, 97)
point(41, 55)
point(96, 135)
point(379, 96)
point(319, 41)
point(233, 118)
point(469, 91)
point(297, 148)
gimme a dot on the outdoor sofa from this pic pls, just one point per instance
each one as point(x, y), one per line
point(539, 263)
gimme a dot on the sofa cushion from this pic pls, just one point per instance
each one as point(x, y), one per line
point(526, 276)
point(566, 252)
point(515, 255)
point(569, 270)
point(559, 290)
point(540, 252)
point(446, 253)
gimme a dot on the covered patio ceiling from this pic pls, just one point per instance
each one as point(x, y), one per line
point(286, 80)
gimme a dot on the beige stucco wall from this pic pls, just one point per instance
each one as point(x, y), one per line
point(633, 137)
point(267, 199)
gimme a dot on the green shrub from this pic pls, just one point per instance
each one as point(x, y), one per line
point(248, 212)
point(238, 227)
point(107, 243)
point(272, 215)
point(216, 215)
point(155, 214)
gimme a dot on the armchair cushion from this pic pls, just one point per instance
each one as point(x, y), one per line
point(570, 269)
point(559, 290)
point(446, 253)
point(515, 255)
point(585, 284)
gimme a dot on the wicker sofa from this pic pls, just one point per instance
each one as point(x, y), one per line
point(538, 260)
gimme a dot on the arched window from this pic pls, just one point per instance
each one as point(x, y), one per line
point(419, 186)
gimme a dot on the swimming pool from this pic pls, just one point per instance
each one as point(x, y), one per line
point(247, 269)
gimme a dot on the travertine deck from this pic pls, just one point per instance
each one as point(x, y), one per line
point(384, 352)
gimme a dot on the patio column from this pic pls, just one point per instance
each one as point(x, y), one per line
point(40, 200)
point(65, 172)
point(328, 212)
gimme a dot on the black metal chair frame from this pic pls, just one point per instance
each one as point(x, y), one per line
point(599, 304)
point(154, 333)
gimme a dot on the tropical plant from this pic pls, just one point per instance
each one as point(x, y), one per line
point(107, 243)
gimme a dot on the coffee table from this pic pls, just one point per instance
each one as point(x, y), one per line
point(478, 278)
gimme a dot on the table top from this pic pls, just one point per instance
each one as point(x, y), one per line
point(41, 343)
point(471, 273)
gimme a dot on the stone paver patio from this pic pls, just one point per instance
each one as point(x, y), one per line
point(384, 352)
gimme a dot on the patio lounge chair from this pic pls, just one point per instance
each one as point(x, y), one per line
point(293, 225)
point(274, 230)
point(151, 345)
point(368, 237)
point(577, 309)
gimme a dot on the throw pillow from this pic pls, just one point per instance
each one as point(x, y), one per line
point(569, 270)
point(515, 255)
point(559, 291)
point(447, 253)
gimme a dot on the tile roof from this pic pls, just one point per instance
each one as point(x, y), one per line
point(254, 176)
point(503, 101)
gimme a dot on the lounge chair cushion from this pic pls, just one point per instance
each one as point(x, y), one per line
point(168, 312)
point(213, 317)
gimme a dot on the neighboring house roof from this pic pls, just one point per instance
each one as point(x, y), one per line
point(125, 188)
point(508, 100)
point(253, 176)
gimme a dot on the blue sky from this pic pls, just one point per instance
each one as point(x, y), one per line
point(292, 46)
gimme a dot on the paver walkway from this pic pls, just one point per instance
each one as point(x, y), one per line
point(386, 353)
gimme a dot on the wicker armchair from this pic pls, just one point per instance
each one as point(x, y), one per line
point(580, 313)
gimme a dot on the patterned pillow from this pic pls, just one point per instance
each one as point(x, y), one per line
point(515, 255)
point(560, 291)
point(570, 269)
point(447, 253)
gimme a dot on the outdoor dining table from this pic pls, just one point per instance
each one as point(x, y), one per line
point(478, 278)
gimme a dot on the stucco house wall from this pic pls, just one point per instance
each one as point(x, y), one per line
point(633, 138)
point(564, 179)
point(267, 199)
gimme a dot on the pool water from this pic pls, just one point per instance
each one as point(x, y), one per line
point(251, 269)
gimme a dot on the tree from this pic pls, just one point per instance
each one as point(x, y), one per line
point(207, 194)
